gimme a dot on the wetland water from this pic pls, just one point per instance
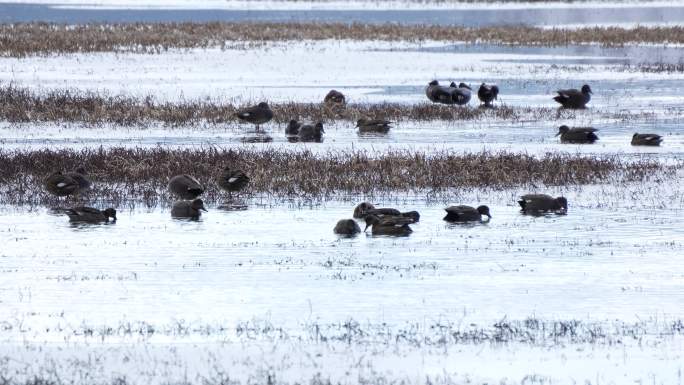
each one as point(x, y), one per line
point(272, 292)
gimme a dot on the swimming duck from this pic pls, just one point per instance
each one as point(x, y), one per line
point(373, 125)
point(646, 140)
point(464, 213)
point(487, 94)
point(540, 203)
point(396, 226)
point(257, 115)
point(573, 98)
point(292, 127)
point(185, 186)
point(347, 227)
point(309, 133)
point(188, 209)
point(91, 215)
point(577, 134)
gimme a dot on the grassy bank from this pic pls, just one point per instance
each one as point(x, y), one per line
point(141, 174)
point(17, 40)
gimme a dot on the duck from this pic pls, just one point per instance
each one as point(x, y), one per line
point(293, 127)
point(464, 213)
point(232, 180)
point(309, 133)
point(91, 215)
point(61, 185)
point(335, 97)
point(460, 94)
point(438, 94)
point(487, 94)
point(79, 175)
point(373, 125)
point(185, 186)
point(573, 98)
point(541, 203)
point(362, 208)
point(577, 134)
point(347, 227)
point(188, 209)
point(395, 226)
point(257, 115)
point(646, 140)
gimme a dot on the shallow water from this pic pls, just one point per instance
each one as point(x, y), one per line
point(84, 298)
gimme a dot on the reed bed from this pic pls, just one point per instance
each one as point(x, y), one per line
point(141, 174)
point(23, 39)
point(20, 105)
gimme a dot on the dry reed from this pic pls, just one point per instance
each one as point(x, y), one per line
point(141, 174)
point(18, 40)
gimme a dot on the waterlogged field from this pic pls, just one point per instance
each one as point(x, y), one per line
point(268, 294)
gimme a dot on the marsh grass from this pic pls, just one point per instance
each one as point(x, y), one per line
point(141, 174)
point(18, 40)
point(21, 105)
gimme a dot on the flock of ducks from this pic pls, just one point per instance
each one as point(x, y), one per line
point(381, 221)
point(453, 94)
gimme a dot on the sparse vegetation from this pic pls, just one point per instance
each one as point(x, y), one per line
point(141, 174)
point(18, 40)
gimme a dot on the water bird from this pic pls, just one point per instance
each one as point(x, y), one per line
point(188, 209)
point(373, 125)
point(293, 127)
point(257, 115)
point(335, 97)
point(232, 180)
point(91, 215)
point(309, 133)
point(464, 213)
point(487, 94)
point(646, 140)
point(541, 203)
point(391, 225)
point(347, 227)
point(573, 98)
point(362, 208)
point(61, 185)
point(460, 95)
point(577, 134)
point(438, 94)
point(185, 186)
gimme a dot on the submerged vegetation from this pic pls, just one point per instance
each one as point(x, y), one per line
point(22, 39)
point(141, 174)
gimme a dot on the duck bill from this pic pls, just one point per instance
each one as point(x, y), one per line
point(204, 209)
point(366, 228)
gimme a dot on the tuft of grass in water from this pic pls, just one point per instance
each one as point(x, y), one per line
point(21, 105)
point(141, 174)
point(23, 39)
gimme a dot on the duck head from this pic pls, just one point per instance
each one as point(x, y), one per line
point(110, 213)
point(586, 89)
point(263, 105)
point(563, 129)
point(371, 220)
point(362, 208)
point(360, 122)
point(563, 203)
point(453, 85)
point(484, 210)
point(198, 204)
point(319, 127)
point(433, 83)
